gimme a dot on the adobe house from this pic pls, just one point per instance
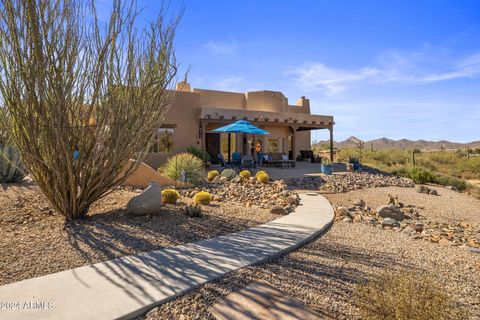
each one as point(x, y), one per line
point(196, 112)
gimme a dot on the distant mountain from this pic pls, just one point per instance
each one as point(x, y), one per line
point(385, 143)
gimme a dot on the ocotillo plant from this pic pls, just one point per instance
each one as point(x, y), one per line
point(82, 97)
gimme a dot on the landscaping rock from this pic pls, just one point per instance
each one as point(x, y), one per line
point(223, 179)
point(278, 210)
point(342, 212)
point(237, 179)
point(194, 211)
point(389, 222)
point(148, 202)
point(390, 212)
point(422, 189)
point(359, 203)
point(229, 174)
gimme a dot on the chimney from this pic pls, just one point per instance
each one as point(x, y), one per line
point(305, 103)
point(183, 86)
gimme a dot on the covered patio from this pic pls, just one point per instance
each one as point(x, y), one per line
point(293, 124)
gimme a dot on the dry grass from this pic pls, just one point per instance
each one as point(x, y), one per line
point(405, 296)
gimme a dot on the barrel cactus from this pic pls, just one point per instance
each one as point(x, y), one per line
point(229, 174)
point(11, 168)
point(202, 198)
point(260, 172)
point(212, 175)
point(169, 196)
point(244, 174)
point(263, 177)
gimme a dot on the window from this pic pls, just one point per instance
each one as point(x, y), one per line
point(272, 145)
point(163, 140)
point(224, 144)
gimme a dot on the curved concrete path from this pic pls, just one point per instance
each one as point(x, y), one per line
point(126, 287)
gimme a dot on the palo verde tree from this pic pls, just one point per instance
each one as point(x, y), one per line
point(82, 98)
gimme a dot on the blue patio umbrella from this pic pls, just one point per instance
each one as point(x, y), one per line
point(241, 126)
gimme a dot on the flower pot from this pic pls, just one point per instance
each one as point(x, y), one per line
point(326, 169)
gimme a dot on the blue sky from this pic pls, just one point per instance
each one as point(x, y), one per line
point(396, 69)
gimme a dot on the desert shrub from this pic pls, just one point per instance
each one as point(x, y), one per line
point(344, 154)
point(473, 190)
point(260, 172)
point(229, 174)
point(170, 196)
point(205, 156)
point(184, 167)
point(212, 174)
point(401, 172)
point(404, 296)
point(202, 198)
point(459, 184)
point(263, 178)
point(72, 83)
point(244, 174)
point(421, 175)
point(11, 168)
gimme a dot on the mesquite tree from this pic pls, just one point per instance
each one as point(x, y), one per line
point(80, 98)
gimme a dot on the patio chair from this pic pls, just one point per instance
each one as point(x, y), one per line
point(236, 159)
point(247, 161)
point(221, 159)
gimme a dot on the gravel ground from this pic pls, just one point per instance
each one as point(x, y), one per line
point(449, 206)
point(36, 241)
point(322, 274)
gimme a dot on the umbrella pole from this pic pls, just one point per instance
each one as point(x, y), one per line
point(229, 150)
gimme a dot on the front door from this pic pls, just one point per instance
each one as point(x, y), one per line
point(213, 145)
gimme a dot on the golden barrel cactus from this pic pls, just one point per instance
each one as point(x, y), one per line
point(260, 172)
point(169, 196)
point(202, 198)
point(263, 178)
point(244, 174)
point(212, 175)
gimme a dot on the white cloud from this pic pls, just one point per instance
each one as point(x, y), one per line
point(417, 67)
point(232, 83)
point(221, 47)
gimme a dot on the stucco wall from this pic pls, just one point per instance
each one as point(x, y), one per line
point(266, 101)
point(221, 99)
point(303, 141)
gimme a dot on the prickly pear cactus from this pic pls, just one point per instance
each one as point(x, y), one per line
point(11, 168)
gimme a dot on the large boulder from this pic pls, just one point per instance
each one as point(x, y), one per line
point(389, 222)
point(148, 202)
point(421, 188)
point(390, 211)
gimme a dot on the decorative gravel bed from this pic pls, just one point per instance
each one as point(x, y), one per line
point(35, 240)
point(344, 182)
point(322, 274)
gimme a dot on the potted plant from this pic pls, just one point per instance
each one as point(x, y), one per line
point(326, 166)
point(355, 162)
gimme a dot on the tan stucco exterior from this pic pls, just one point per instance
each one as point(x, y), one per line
point(196, 112)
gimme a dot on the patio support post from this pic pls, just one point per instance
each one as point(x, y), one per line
point(331, 143)
point(294, 143)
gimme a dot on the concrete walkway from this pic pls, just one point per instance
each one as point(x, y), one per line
point(129, 286)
